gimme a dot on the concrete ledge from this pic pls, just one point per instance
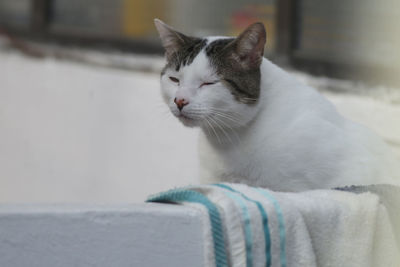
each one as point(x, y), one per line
point(93, 235)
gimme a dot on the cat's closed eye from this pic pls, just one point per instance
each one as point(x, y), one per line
point(207, 83)
point(175, 80)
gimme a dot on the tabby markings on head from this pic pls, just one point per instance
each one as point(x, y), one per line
point(244, 84)
point(186, 55)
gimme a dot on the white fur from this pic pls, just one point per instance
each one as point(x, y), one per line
point(293, 139)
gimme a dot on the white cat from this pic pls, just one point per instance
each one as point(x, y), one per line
point(259, 125)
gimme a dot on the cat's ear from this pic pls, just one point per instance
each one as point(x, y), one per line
point(249, 45)
point(171, 40)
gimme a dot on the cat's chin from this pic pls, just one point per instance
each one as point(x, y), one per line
point(188, 122)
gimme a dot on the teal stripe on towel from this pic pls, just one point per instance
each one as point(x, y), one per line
point(281, 222)
point(264, 216)
point(181, 195)
point(247, 224)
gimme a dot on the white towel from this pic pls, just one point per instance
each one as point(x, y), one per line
point(254, 227)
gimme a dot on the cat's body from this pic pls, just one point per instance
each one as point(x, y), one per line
point(296, 142)
point(259, 125)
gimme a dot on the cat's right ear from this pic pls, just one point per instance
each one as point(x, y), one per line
point(171, 40)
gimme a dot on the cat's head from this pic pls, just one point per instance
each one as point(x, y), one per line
point(212, 82)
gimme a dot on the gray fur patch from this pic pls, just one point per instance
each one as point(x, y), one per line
point(186, 54)
point(244, 83)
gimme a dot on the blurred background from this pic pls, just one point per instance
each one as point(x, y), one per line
point(81, 118)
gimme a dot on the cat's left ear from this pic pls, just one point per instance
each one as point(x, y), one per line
point(171, 39)
point(249, 45)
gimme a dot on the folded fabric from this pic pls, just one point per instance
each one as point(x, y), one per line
point(247, 226)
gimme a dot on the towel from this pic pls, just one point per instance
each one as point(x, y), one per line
point(252, 227)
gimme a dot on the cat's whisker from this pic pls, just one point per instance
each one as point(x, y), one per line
point(226, 112)
point(229, 127)
point(222, 129)
point(232, 119)
point(208, 130)
point(216, 109)
point(221, 118)
point(229, 117)
point(196, 112)
point(212, 128)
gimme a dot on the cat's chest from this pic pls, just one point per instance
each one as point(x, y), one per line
point(254, 159)
point(244, 159)
point(233, 157)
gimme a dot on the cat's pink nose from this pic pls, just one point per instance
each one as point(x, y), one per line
point(180, 103)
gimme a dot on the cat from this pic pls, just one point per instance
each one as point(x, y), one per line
point(259, 125)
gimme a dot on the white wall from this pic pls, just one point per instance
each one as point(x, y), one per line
point(76, 133)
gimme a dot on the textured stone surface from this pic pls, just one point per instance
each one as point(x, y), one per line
point(113, 235)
